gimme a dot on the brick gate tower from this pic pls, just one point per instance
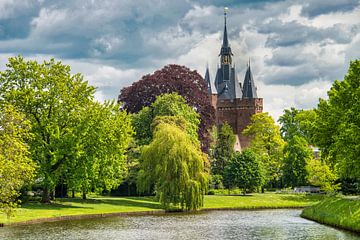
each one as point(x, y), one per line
point(234, 102)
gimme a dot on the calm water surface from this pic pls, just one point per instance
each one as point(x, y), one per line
point(265, 224)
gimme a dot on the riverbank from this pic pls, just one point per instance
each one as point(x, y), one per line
point(337, 211)
point(103, 206)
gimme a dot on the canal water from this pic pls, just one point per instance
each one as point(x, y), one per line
point(262, 224)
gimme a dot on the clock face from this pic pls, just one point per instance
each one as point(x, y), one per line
point(226, 60)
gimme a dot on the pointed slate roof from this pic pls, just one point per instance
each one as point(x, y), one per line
point(249, 89)
point(211, 87)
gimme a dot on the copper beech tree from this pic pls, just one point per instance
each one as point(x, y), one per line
point(172, 78)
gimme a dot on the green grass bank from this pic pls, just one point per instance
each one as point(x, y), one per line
point(340, 212)
point(110, 205)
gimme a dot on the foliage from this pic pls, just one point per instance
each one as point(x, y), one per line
point(224, 149)
point(173, 78)
point(73, 137)
point(295, 122)
point(16, 167)
point(337, 126)
point(296, 156)
point(320, 174)
point(244, 171)
point(102, 136)
point(49, 97)
point(176, 167)
point(166, 105)
point(267, 144)
point(216, 182)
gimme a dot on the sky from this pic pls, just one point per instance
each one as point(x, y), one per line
point(297, 48)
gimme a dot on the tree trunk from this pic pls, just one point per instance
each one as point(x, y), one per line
point(84, 195)
point(45, 196)
point(262, 190)
point(73, 193)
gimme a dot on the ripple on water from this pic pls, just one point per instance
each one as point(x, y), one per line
point(262, 224)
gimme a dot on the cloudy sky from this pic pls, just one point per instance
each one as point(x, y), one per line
point(297, 48)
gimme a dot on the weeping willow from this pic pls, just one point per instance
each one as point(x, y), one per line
point(175, 165)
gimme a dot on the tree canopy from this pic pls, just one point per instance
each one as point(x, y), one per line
point(58, 104)
point(173, 78)
point(244, 171)
point(267, 144)
point(166, 105)
point(296, 156)
point(176, 167)
point(16, 167)
point(337, 131)
point(223, 150)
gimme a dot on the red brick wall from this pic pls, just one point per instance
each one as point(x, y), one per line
point(237, 113)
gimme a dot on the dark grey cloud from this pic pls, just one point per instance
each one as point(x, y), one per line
point(145, 34)
point(313, 8)
point(15, 18)
point(293, 33)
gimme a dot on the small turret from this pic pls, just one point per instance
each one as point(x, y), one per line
point(249, 89)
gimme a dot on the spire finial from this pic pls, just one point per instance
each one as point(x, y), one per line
point(226, 9)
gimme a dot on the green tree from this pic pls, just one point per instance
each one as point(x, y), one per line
point(337, 126)
point(320, 174)
point(49, 96)
point(296, 155)
point(244, 171)
point(165, 105)
point(16, 167)
point(295, 122)
point(223, 150)
point(267, 144)
point(176, 166)
point(102, 135)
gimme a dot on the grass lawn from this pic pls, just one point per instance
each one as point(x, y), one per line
point(343, 212)
point(99, 205)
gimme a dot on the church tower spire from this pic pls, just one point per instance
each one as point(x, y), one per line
point(225, 51)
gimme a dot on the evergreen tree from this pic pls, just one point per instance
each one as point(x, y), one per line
point(223, 150)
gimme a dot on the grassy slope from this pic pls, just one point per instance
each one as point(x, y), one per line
point(65, 207)
point(340, 212)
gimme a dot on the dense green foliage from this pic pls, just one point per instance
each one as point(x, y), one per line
point(223, 150)
point(70, 133)
point(336, 211)
point(16, 167)
point(267, 144)
point(296, 155)
point(300, 168)
point(98, 162)
point(244, 171)
point(337, 126)
point(176, 166)
point(300, 123)
point(319, 173)
point(165, 105)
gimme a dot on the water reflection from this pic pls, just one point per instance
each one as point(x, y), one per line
point(265, 224)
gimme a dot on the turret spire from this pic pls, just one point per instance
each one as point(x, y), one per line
point(249, 89)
